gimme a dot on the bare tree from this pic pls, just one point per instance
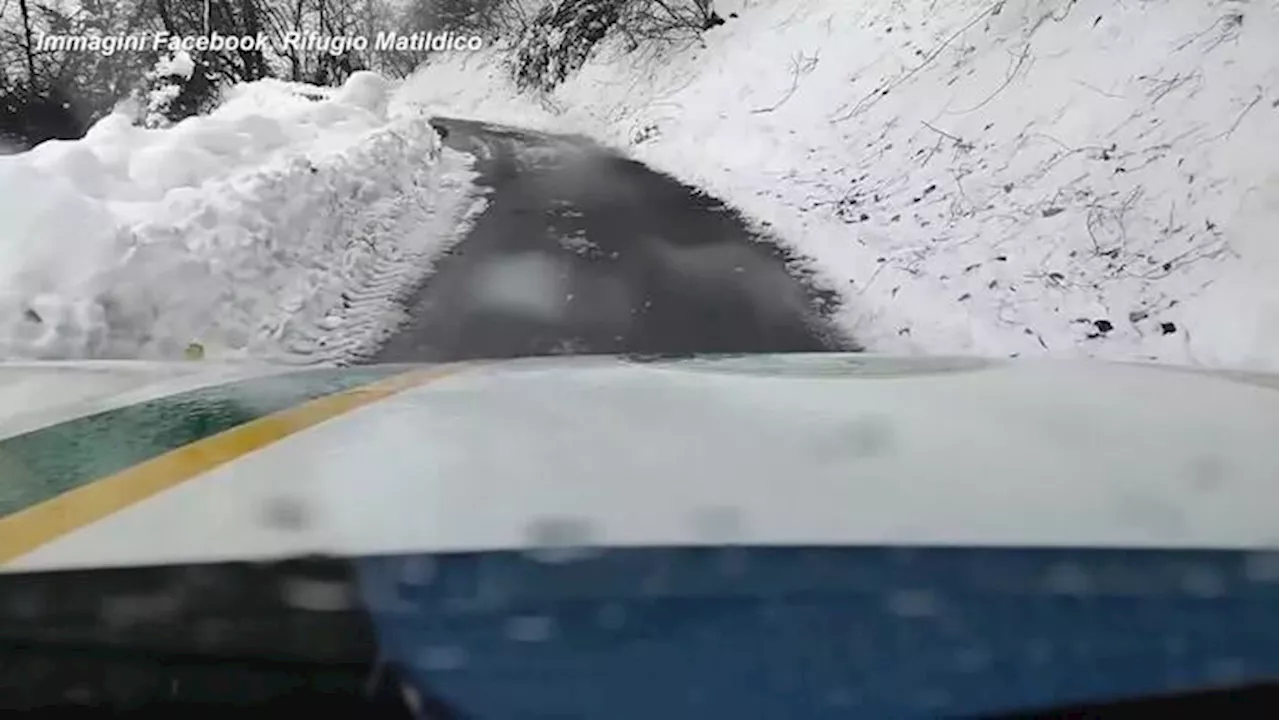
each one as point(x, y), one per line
point(58, 93)
point(28, 45)
point(643, 21)
point(563, 33)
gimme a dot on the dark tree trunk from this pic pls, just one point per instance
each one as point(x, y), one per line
point(30, 46)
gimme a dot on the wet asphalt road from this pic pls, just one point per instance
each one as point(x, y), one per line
point(584, 251)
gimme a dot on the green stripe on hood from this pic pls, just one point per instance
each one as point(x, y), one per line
point(41, 464)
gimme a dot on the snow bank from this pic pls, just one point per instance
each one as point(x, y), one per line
point(283, 225)
point(1091, 177)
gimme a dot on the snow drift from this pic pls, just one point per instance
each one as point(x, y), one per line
point(1010, 177)
point(283, 225)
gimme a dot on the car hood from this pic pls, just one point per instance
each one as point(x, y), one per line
point(133, 463)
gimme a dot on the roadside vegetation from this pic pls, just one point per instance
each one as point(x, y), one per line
point(59, 93)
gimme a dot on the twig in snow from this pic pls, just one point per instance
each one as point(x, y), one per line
point(1009, 76)
point(1231, 23)
point(801, 65)
point(1134, 196)
point(1097, 215)
point(932, 151)
point(872, 279)
point(943, 133)
point(1164, 87)
point(1050, 16)
point(960, 187)
point(1229, 26)
point(1239, 119)
point(1208, 250)
point(1098, 90)
point(959, 143)
point(1183, 45)
point(868, 100)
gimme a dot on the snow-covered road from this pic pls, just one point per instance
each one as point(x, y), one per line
point(1023, 178)
point(583, 250)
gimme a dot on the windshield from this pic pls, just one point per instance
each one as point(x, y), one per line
point(636, 358)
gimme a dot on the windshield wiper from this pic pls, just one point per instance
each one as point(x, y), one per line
point(240, 637)
point(1249, 700)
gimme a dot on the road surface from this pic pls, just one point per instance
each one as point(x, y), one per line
point(584, 251)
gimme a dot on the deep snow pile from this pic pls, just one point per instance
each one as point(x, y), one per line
point(1067, 177)
point(283, 225)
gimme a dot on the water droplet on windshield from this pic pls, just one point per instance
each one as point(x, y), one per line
point(442, 657)
point(972, 659)
point(1207, 473)
point(317, 595)
point(411, 698)
point(870, 436)
point(1068, 579)
point(839, 698)
point(1262, 567)
point(558, 540)
point(1228, 671)
point(611, 616)
point(934, 699)
point(1040, 651)
point(913, 603)
point(721, 525)
point(417, 571)
point(1203, 582)
point(121, 610)
point(530, 628)
point(285, 513)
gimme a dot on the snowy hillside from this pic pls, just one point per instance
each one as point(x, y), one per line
point(283, 225)
point(1019, 177)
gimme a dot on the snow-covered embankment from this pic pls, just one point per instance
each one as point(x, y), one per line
point(1064, 177)
point(280, 226)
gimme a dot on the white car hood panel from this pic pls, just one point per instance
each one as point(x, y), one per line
point(557, 455)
